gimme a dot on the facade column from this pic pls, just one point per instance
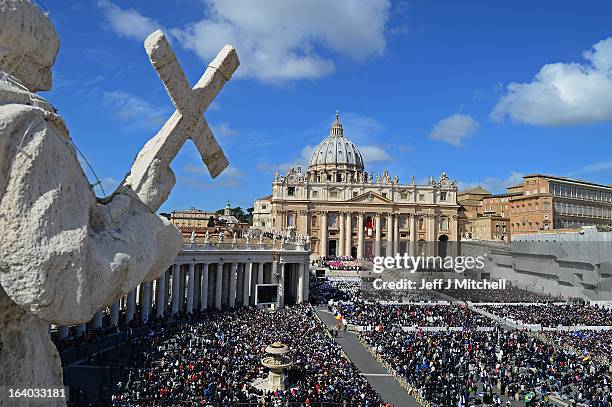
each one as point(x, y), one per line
point(360, 219)
point(190, 287)
point(413, 234)
point(389, 251)
point(340, 248)
point(204, 287)
point(260, 273)
point(396, 234)
point(131, 306)
point(114, 314)
point(323, 237)
point(146, 301)
point(232, 287)
point(160, 294)
point(176, 278)
point(378, 236)
point(431, 234)
point(246, 283)
point(300, 290)
point(349, 234)
point(219, 286)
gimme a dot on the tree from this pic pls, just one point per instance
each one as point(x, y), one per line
point(211, 222)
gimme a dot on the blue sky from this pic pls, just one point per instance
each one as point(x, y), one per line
point(486, 91)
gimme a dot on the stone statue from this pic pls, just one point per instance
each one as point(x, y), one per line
point(206, 237)
point(193, 237)
point(221, 237)
point(396, 180)
point(261, 238)
point(248, 239)
point(65, 253)
point(234, 239)
point(94, 250)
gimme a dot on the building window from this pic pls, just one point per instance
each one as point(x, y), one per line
point(421, 224)
point(442, 196)
point(263, 207)
point(290, 219)
point(404, 195)
point(291, 191)
point(421, 197)
point(354, 194)
point(314, 220)
point(384, 194)
point(333, 194)
point(443, 223)
point(315, 194)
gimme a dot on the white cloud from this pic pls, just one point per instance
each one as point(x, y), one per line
point(563, 94)
point(372, 154)
point(301, 161)
point(361, 129)
point(454, 129)
point(138, 113)
point(280, 40)
point(604, 167)
point(223, 130)
point(127, 23)
point(230, 177)
point(493, 184)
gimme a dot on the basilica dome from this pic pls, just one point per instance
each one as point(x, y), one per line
point(336, 152)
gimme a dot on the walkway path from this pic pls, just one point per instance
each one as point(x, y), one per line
point(389, 389)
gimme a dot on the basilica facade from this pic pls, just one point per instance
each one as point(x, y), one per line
point(347, 211)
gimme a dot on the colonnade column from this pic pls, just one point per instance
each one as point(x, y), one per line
point(340, 249)
point(63, 331)
point(349, 234)
point(146, 301)
point(160, 295)
point(97, 320)
point(300, 290)
point(219, 285)
point(114, 314)
point(360, 235)
point(204, 287)
point(246, 283)
point(323, 237)
point(378, 235)
point(176, 277)
point(232, 287)
point(431, 233)
point(280, 280)
point(131, 306)
point(413, 234)
point(80, 329)
point(389, 251)
point(190, 287)
point(396, 234)
point(306, 279)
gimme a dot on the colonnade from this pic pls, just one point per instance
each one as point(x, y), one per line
point(190, 286)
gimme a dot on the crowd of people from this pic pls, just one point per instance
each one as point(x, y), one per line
point(456, 368)
point(216, 358)
point(370, 314)
point(335, 288)
point(596, 343)
point(552, 315)
point(508, 295)
point(345, 263)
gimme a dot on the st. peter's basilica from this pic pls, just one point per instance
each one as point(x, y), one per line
point(347, 211)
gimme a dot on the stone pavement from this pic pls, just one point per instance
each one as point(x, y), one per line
point(389, 389)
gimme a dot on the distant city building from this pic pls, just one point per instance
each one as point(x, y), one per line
point(350, 212)
point(541, 202)
point(262, 213)
point(192, 218)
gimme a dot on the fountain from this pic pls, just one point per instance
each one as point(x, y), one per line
point(277, 362)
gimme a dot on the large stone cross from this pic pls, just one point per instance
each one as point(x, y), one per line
point(187, 122)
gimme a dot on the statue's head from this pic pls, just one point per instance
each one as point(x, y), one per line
point(28, 43)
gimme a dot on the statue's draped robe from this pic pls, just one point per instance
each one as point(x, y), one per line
point(63, 254)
